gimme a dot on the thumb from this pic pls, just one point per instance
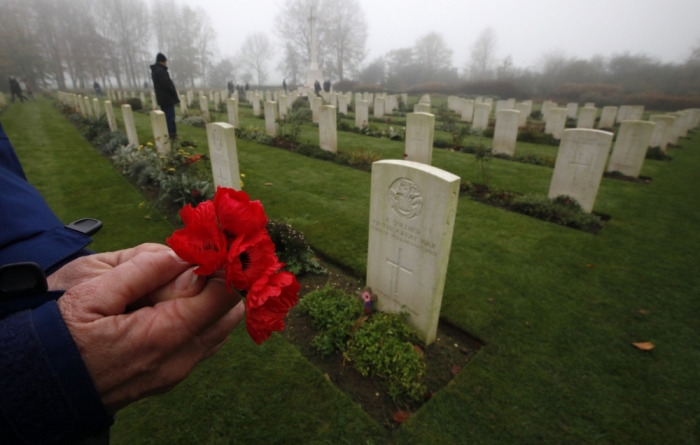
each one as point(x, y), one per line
point(111, 292)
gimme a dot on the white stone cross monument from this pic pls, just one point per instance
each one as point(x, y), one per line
point(129, 125)
point(580, 163)
point(314, 73)
point(271, 118)
point(224, 155)
point(412, 215)
point(160, 131)
point(506, 132)
point(631, 147)
point(420, 130)
point(328, 129)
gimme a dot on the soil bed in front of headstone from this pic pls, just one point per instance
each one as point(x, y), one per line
point(444, 358)
point(504, 199)
point(620, 177)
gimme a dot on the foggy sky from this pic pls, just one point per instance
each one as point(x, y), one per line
point(525, 29)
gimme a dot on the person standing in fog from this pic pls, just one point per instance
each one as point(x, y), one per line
point(166, 94)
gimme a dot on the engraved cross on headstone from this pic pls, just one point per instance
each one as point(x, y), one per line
point(397, 269)
point(581, 160)
point(418, 131)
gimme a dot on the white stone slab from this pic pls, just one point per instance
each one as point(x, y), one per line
point(425, 99)
point(662, 131)
point(631, 147)
point(524, 109)
point(676, 128)
point(256, 105)
point(607, 118)
point(571, 110)
point(481, 117)
point(586, 118)
point(160, 131)
point(128, 116)
point(622, 113)
point(282, 105)
point(316, 104)
point(224, 155)
point(589, 105)
point(635, 113)
point(510, 104)
point(88, 106)
point(420, 131)
point(328, 129)
point(506, 131)
point(580, 163)
point(343, 105)
point(467, 110)
point(421, 108)
point(271, 118)
point(111, 121)
point(183, 104)
point(379, 107)
point(556, 122)
point(96, 107)
point(478, 100)
point(232, 111)
point(361, 113)
point(546, 106)
point(501, 105)
point(204, 107)
point(412, 215)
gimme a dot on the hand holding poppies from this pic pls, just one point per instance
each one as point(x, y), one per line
point(229, 232)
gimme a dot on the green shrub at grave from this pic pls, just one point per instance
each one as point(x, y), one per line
point(292, 249)
point(562, 210)
point(195, 121)
point(380, 345)
point(537, 114)
point(382, 348)
point(135, 103)
point(334, 313)
point(94, 126)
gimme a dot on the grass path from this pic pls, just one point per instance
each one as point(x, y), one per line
point(557, 308)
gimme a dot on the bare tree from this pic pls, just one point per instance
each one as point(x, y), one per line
point(290, 65)
point(255, 53)
point(483, 56)
point(345, 28)
point(432, 55)
point(341, 32)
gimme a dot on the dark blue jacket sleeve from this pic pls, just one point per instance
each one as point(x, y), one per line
point(46, 393)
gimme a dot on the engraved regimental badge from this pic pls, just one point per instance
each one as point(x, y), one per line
point(405, 198)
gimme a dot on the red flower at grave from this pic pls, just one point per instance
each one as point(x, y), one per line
point(230, 233)
point(267, 306)
point(192, 159)
point(201, 242)
point(195, 193)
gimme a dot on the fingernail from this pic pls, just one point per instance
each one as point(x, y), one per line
point(186, 280)
point(174, 255)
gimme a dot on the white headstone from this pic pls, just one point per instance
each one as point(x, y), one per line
point(271, 118)
point(662, 130)
point(607, 118)
point(676, 128)
point(421, 108)
point(425, 99)
point(412, 215)
point(143, 100)
point(524, 109)
point(580, 163)
point(88, 106)
point(204, 106)
point(546, 106)
point(589, 104)
point(111, 121)
point(420, 131)
point(183, 104)
point(501, 105)
point(282, 105)
point(571, 110)
point(232, 110)
point(224, 155)
point(404, 98)
point(160, 131)
point(510, 104)
point(217, 100)
point(328, 129)
point(631, 147)
point(190, 97)
point(81, 106)
point(478, 100)
point(586, 118)
point(378, 107)
point(635, 113)
point(256, 105)
point(361, 113)
point(481, 117)
point(467, 110)
point(506, 131)
point(343, 105)
point(129, 125)
point(623, 112)
point(556, 122)
point(96, 107)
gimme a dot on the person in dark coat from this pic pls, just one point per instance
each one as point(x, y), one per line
point(246, 86)
point(15, 89)
point(317, 87)
point(230, 87)
point(284, 85)
point(166, 94)
point(98, 90)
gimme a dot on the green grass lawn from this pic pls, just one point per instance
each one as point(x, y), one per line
point(557, 308)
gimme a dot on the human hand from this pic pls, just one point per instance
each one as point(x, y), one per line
point(132, 355)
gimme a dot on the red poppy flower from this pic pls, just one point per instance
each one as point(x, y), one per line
point(195, 193)
point(242, 220)
point(249, 266)
point(200, 243)
point(281, 293)
point(192, 159)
